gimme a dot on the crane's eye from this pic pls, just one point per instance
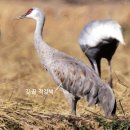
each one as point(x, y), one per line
point(29, 11)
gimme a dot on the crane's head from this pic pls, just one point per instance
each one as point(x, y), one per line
point(34, 13)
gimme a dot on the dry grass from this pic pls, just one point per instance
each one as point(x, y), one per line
point(27, 115)
point(20, 66)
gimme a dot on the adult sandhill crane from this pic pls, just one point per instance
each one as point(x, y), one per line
point(76, 79)
point(100, 39)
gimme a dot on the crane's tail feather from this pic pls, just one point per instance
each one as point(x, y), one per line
point(107, 100)
point(103, 95)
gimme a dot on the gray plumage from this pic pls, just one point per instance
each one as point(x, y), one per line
point(76, 79)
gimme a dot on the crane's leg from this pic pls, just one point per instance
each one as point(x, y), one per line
point(110, 73)
point(99, 66)
point(72, 101)
point(73, 104)
point(96, 66)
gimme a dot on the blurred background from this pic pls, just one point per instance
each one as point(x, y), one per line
point(20, 68)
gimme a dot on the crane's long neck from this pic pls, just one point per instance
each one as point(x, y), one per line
point(38, 35)
point(39, 26)
point(42, 48)
point(40, 45)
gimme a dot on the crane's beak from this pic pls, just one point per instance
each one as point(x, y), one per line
point(21, 17)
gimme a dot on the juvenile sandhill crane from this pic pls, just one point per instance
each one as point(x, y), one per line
point(100, 39)
point(76, 79)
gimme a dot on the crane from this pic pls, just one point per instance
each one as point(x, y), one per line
point(100, 39)
point(76, 79)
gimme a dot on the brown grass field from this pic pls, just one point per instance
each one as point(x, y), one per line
point(20, 69)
